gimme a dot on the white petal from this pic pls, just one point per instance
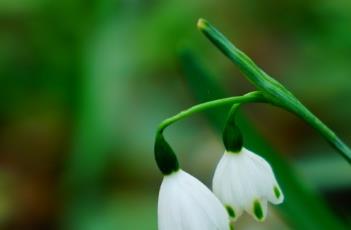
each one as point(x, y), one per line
point(187, 204)
point(245, 181)
point(269, 187)
point(228, 184)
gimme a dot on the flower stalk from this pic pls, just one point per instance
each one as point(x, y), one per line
point(255, 96)
point(164, 155)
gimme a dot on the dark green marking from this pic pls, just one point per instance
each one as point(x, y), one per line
point(230, 211)
point(277, 192)
point(258, 211)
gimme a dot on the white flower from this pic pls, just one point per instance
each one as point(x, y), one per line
point(245, 181)
point(185, 203)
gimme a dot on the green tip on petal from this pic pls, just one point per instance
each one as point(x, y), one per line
point(230, 211)
point(257, 209)
point(277, 192)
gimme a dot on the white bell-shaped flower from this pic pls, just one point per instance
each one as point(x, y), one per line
point(245, 181)
point(185, 203)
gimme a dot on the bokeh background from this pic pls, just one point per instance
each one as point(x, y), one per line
point(84, 84)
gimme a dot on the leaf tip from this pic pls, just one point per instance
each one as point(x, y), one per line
point(202, 24)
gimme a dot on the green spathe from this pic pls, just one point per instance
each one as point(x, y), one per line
point(232, 137)
point(164, 155)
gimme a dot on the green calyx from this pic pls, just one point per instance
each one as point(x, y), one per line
point(232, 137)
point(164, 155)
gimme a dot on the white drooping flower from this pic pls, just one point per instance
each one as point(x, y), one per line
point(245, 181)
point(185, 203)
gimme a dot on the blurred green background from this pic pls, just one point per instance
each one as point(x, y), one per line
point(84, 84)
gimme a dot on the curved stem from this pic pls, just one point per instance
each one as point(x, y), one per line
point(255, 96)
point(165, 157)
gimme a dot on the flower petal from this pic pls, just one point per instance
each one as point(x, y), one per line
point(269, 187)
point(229, 191)
point(245, 181)
point(186, 203)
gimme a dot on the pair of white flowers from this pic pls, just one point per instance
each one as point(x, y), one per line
point(243, 181)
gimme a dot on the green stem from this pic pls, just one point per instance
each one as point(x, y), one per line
point(255, 96)
point(274, 92)
point(165, 157)
point(302, 112)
